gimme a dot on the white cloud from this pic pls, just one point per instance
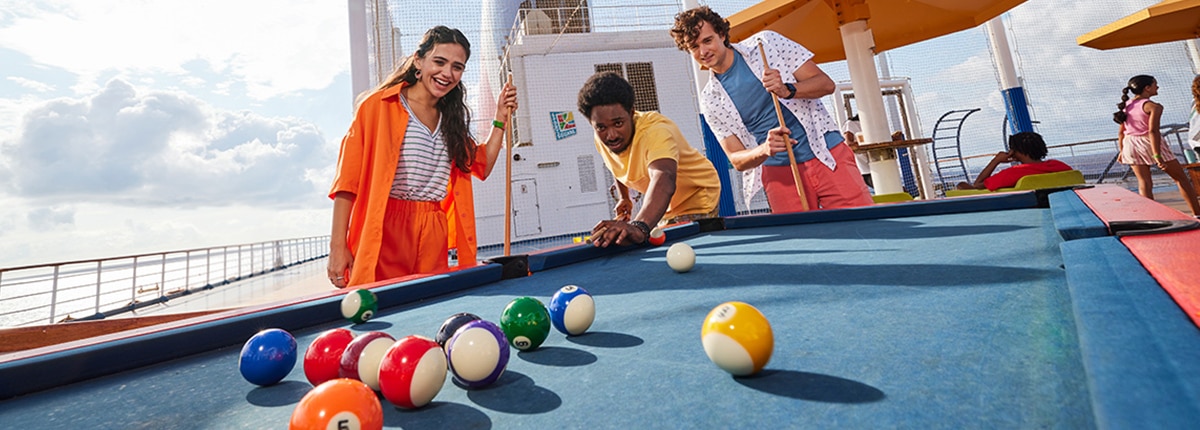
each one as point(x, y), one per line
point(153, 148)
point(31, 84)
point(273, 46)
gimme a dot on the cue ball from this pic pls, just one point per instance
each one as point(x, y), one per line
point(572, 310)
point(478, 354)
point(526, 323)
point(338, 404)
point(681, 257)
point(412, 372)
point(452, 325)
point(657, 237)
point(323, 359)
point(359, 305)
point(268, 357)
point(737, 338)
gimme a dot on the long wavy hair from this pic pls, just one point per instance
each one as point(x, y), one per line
point(1137, 84)
point(1196, 93)
point(456, 116)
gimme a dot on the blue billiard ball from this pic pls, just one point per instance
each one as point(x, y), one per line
point(572, 310)
point(268, 357)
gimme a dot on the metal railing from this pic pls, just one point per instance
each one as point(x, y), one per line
point(94, 289)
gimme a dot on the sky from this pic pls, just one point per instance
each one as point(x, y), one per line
point(133, 126)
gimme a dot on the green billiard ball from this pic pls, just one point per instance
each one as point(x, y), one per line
point(525, 323)
point(359, 305)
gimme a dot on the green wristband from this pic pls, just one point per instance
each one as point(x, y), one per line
point(498, 124)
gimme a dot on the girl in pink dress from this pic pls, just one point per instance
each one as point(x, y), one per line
point(1140, 143)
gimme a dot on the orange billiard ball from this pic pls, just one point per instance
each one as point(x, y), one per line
point(336, 404)
point(657, 237)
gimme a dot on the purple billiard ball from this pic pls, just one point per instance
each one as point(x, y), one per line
point(477, 353)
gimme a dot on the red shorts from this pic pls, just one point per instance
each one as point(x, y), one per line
point(414, 239)
point(823, 188)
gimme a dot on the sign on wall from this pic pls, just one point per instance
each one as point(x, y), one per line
point(564, 124)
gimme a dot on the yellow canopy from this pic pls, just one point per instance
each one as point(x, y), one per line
point(894, 23)
point(1168, 21)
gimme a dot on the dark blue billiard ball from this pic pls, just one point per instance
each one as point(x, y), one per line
point(268, 357)
point(572, 310)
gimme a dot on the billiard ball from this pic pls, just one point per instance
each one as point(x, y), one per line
point(526, 323)
point(267, 357)
point(681, 257)
point(451, 325)
point(338, 404)
point(572, 310)
point(657, 237)
point(323, 359)
point(412, 372)
point(478, 353)
point(359, 305)
point(737, 338)
point(361, 359)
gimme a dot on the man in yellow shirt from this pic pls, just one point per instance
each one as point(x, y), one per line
point(645, 151)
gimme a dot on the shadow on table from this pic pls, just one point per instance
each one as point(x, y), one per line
point(281, 394)
point(436, 415)
point(811, 386)
point(558, 356)
point(516, 393)
point(606, 339)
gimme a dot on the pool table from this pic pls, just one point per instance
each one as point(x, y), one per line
point(1014, 310)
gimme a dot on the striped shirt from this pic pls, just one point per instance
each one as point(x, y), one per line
point(424, 169)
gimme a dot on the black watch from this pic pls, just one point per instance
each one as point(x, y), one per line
point(645, 228)
point(791, 91)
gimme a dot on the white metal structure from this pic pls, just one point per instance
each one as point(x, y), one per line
point(910, 122)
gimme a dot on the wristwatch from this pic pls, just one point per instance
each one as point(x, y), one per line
point(791, 91)
point(645, 228)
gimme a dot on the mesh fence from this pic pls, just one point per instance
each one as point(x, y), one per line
point(1072, 90)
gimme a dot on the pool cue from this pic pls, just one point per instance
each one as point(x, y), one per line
point(508, 159)
point(791, 156)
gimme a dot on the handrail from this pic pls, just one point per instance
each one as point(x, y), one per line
point(97, 288)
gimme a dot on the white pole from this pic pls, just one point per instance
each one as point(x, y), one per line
point(360, 68)
point(858, 42)
point(893, 109)
point(698, 75)
point(1002, 54)
point(1194, 52)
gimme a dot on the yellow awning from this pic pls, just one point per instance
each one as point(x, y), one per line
point(1168, 21)
point(894, 23)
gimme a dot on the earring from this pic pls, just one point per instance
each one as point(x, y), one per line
point(418, 73)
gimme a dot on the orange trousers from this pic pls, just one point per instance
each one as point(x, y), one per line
point(414, 239)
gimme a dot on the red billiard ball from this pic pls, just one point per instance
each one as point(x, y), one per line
point(657, 237)
point(323, 360)
point(412, 372)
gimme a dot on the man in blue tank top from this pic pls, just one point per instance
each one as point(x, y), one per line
point(737, 104)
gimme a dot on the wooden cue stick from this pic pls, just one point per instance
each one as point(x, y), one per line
point(791, 156)
point(508, 159)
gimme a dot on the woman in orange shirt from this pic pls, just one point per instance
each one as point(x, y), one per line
point(402, 195)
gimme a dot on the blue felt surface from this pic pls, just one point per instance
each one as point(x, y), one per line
point(1073, 218)
point(1139, 348)
point(942, 321)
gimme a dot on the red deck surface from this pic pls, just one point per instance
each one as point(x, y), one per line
point(1179, 252)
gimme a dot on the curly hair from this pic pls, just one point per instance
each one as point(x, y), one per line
point(1196, 93)
point(456, 116)
point(1137, 84)
point(687, 26)
point(1028, 143)
point(605, 88)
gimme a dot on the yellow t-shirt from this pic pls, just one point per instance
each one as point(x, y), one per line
point(655, 137)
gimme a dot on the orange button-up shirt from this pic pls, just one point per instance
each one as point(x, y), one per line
point(366, 168)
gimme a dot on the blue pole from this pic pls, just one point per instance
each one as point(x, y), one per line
point(716, 154)
point(1017, 109)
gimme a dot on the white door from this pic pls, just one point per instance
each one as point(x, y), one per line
point(526, 220)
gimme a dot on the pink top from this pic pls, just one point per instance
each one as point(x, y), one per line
point(1138, 121)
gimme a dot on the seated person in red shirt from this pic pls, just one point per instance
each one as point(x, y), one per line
point(1027, 148)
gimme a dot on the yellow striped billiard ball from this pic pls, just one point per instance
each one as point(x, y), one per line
point(737, 338)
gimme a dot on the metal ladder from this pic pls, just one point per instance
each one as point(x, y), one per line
point(946, 147)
